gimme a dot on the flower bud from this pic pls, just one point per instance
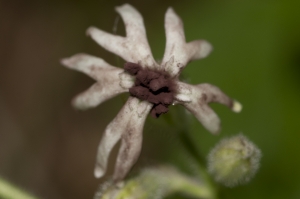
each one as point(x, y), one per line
point(234, 161)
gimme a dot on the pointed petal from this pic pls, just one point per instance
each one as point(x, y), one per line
point(130, 120)
point(133, 20)
point(198, 49)
point(131, 139)
point(136, 35)
point(110, 137)
point(98, 93)
point(88, 64)
point(132, 48)
point(208, 118)
point(111, 80)
point(113, 43)
point(177, 52)
point(196, 98)
point(111, 83)
point(214, 94)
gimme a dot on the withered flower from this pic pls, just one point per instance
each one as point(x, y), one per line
point(152, 86)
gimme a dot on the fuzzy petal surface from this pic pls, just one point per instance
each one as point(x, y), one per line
point(177, 52)
point(111, 80)
point(132, 48)
point(127, 126)
point(196, 98)
point(131, 143)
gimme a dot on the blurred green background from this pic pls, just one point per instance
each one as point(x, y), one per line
point(49, 148)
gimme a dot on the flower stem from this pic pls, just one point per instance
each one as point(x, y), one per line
point(157, 183)
point(9, 191)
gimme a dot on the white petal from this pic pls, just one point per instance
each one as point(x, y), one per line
point(126, 80)
point(97, 93)
point(128, 125)
point(131, 140)
point(198, 98)
point(184, 92)
point(88, 64)
point(132, 48)
point(133, 20)
point(177, 52)
point(111, 136)
point(212, 93)
point(198, 49)
point(208, 118)
point(110, 42)
point(111, 80)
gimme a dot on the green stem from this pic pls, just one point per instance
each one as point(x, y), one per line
point(9, 191)
point(157, 183)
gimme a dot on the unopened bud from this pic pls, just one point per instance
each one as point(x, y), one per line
point(234, 161)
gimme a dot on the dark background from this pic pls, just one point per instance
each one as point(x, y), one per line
point(48, 148)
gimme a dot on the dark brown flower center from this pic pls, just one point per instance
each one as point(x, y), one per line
point(155, 87)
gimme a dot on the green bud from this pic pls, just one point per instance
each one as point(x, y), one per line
point(234, 161)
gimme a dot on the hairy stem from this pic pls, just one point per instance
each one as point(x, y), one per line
point(158, 183)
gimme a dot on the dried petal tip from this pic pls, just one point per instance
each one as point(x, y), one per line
point(73, 62)
point(237, 107)
point(90, 31)
point(205, 49)
point(65, 62)
point(98, 172)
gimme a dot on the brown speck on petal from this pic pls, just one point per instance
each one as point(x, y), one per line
point(131, 142)
point(127, 126)
point(199, 97)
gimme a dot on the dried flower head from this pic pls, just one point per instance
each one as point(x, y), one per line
point(153, 87)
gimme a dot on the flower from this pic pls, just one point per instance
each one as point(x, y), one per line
point(152, 86)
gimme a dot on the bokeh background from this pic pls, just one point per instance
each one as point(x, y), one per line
point(48, 148)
